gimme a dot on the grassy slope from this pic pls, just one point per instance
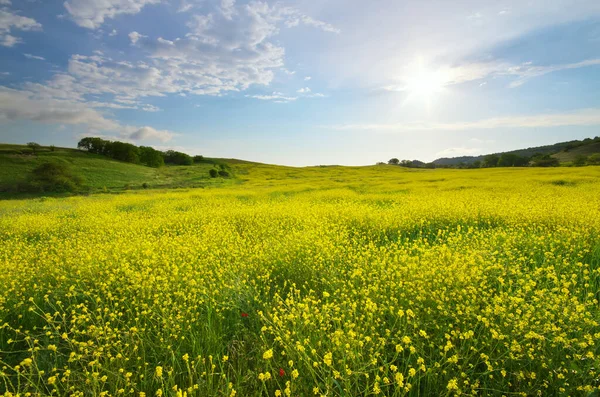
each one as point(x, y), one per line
point(586, 150)
point(100, 172)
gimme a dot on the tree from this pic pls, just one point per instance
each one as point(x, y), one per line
point(580, 161)
point(406, 163)
point(594, 159)
point(512, 160)
point(151, 157)
point(124, 152)
point(177, 158)
point(198, 159)
point(213, 173)
point(394, 161)
point(491, 160)
point(544, 160)
point(33, 146)
point(95, 145)
point(52, 148)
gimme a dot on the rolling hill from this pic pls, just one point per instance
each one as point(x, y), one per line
point(565, 152)
point(100, 173)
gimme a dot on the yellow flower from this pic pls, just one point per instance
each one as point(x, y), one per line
point(295, 374)
point(399, 379)
point(158, 372)
point(452, 384)
point(328, 358)
point(268, 354)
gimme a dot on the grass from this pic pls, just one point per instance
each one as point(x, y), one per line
point(336, 281)
point(571, 155)
point(100, 173)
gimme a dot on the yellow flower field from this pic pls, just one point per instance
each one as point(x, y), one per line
point(298, 282)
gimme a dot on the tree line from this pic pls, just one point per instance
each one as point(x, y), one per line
point(503, 160)
point(131, 153)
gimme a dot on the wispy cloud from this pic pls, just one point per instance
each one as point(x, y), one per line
point(30, 56)
point(276, 97)
point(453, 75)
point(582, 117)
point(10, 21)
point(458, 151)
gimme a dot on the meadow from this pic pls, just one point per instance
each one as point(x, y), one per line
point(326, 281)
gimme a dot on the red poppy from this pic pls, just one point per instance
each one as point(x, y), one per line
point(244, 314)
point(281, 372)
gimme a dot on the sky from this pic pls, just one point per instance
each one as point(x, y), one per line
point(302, 82)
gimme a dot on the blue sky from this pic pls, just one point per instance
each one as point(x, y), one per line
point(302, 82)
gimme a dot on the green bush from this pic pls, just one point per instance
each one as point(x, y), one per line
point(594, 159)
point(213, 173)
point(224, 174)
point(580, 161)
point(55, 177)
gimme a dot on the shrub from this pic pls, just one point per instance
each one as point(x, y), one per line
point(580, 161)
point(55, 177)
point(145, 185)
point(33, 146)
point(213, 173)
point(594, 159)
point(198, 159)
point(224, 174)
point(52, 148)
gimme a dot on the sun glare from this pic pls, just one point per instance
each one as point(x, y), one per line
point(422, 83)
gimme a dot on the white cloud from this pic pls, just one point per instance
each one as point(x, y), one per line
point(295, 18)
point(307, 78)
point(458, 151)
point(30, 56)
point(92, 13)
point(277, 97)
point(135, 37)
point(304, 90)
point(527, 71)
point(25, 105)
point(450, 75)
point(113, 33)
point(228, 8)
point(5, 2)
point(10, 21)
point(227, 49)
point(149, 133)
point(581, 117)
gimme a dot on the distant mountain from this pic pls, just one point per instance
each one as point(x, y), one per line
point(564, 151)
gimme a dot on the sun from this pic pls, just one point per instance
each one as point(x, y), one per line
point(422, 83)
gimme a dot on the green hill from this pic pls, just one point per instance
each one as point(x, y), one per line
point(565, 152)
point(571, 154)
point(100, 173)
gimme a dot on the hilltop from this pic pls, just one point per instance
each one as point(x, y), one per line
point(565, 152)
point(100, 173)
